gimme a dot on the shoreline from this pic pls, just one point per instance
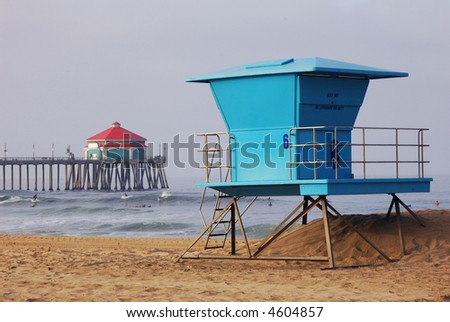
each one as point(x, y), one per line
point(64, 268)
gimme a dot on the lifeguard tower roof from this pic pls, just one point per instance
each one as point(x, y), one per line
point(314, 65)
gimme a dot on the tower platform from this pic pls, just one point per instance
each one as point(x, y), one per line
point(321, 187)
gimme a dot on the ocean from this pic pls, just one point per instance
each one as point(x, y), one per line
point(170, 213)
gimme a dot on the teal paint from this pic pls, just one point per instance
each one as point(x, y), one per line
point(261, 102)
point(118, 154)
point(259, 155)
point(336, 146)
point(330, 101)
point(306, 66)
point(138, 154)
point(253, 103)
point(94, 154)
point(267, 99)
point(322, 187)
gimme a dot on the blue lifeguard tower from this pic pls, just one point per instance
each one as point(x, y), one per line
point(290, 132)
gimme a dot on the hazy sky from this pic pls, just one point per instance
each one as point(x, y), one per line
point(69, 68)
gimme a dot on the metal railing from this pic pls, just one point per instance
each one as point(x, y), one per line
point(9, 158)
point(215, 156)
point(59, 158)
point(361, 142)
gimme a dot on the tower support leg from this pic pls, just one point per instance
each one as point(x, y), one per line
point(399, 226)
point(305, 205)
point(395, 203)
point(327, 229)
point(233, 226)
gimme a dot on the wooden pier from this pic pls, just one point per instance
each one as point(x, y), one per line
point(81, 174)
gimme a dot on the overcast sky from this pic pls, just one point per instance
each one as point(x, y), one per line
point(69, 68)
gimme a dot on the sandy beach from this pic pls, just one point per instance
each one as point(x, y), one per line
point(49, 268)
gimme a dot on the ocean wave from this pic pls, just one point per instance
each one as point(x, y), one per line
point(13, 199)
point(151, 227)
point(134, 197)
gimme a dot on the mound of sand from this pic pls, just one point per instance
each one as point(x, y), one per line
point(426, 244)
point(45, 268)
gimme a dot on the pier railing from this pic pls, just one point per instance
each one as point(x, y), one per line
point(12, 158)
point(157, 159)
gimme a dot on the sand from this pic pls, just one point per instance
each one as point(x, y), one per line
point(48, 268)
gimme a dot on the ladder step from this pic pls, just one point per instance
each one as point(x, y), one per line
point(222, 222)
point(218, 235)
point(213, 247)
point(219, 209)
point(225, 196)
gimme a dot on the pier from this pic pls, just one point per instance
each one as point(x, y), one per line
point(64, 173)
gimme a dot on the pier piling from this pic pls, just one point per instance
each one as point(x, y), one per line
point(82, 174)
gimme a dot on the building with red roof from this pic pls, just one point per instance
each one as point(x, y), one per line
point(116, 143)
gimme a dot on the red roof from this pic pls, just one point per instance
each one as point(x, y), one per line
point(116, 133)
point(121, 145)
